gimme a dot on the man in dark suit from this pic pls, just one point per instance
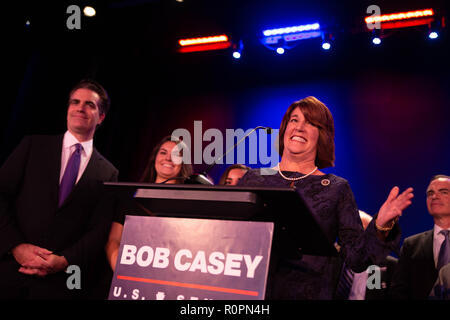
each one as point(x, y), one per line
point(51, 190)
point(423, 254)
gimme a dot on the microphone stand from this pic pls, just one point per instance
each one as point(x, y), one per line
point(201, 178)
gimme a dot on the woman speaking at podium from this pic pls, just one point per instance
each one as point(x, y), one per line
point(306, 145)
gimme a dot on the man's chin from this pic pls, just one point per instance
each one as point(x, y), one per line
point(79, 130)
point(439, 212)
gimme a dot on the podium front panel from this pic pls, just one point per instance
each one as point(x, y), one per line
point(163, 258)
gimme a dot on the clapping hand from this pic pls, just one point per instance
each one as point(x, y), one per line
point(394, 205)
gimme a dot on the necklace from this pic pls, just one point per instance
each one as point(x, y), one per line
point(294, 179)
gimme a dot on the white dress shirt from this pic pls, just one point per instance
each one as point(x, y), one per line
point(69, 142)
point(358, 289)
point(437, 242)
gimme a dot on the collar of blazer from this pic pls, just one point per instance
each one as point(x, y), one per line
point(424, 245)
point(421, 250)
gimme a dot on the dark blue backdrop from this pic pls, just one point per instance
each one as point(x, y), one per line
point(390, 103)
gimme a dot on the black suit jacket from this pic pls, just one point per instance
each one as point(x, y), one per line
point(416, 272)
point(29, 213)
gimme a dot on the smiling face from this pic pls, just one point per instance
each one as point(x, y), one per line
point(438, 197)
point(166, 165)
point(83, 114)
point(300, 137)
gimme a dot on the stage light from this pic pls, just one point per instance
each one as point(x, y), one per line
point(293, 29)
point(376, 41)
point(203, 40)
point(433, 35)
point(402, 19)
point(204, 43)
point(280, 39)
point(237, 49)
point(400, 16)
point(89, 11)
point(376, 36)
point(327, 39)
point(435, 27)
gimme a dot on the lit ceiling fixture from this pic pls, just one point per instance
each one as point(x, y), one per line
point(402, 19)
point(204, 40)
point(400, 16)
point(285, 38)
point(294, 29)
point(289, 34)
point(204, 43)
point(89, 11)
point(237, 49)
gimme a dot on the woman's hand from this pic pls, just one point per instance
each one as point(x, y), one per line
point(393, 206)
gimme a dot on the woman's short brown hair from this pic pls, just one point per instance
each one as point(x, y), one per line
point(320, 116)
point(149, 174)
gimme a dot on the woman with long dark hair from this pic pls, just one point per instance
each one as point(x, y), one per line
point(164, 166)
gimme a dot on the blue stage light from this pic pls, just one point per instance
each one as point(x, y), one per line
point(326, 46)
point(293, 29)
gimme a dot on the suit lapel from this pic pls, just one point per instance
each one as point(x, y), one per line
point(429, 272)
point(427, 248)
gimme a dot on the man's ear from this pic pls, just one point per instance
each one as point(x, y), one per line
point(101, 118)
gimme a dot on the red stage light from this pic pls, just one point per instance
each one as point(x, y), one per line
point(203, 40)
point(400, 16)
point(204, 43)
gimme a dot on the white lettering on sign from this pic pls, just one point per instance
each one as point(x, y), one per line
point(145, 256)
point(229, 264)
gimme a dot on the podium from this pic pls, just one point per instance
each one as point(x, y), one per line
point(293, 220)
point(295, 232)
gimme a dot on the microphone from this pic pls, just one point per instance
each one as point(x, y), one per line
point(176, 178)
point(201, 178)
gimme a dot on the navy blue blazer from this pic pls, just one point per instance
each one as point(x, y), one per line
point(334, 208)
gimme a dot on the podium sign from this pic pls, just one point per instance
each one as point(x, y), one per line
point(192, 259)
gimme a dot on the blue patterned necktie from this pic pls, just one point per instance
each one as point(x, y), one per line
point(70, 174)
point(345, 283)
point(444, 252)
